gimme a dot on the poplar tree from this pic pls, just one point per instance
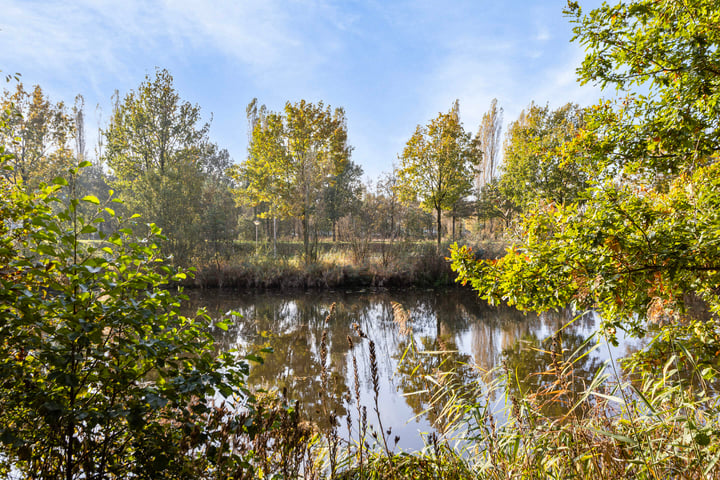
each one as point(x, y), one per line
point(489, 137)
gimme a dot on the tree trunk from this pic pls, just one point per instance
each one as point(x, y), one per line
point(306, 237)
point(392, 226)
point(439, 229)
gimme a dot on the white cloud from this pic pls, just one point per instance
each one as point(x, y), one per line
point(543, 33)
point(110, 36)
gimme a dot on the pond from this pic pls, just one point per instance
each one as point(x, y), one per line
point(478, 337)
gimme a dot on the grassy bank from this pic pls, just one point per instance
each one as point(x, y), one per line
point(336, 265)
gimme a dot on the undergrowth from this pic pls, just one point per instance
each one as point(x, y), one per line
point(382, 264)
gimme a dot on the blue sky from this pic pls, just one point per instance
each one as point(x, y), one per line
point(390, 64)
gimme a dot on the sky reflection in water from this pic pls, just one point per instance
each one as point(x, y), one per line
point(479, 337)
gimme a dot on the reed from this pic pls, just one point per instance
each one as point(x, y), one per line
point(398, 265)
point(648, 424)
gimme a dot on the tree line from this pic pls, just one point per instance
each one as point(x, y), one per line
point(298, 180)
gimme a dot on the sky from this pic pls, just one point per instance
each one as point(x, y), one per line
point(390, 64)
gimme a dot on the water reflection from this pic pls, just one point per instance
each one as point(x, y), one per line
point(477, 337)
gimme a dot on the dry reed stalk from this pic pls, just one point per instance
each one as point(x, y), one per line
point(376, 390)
point(325, 393)
point(401, 317)
point(356, 378)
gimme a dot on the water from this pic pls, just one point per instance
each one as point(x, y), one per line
point(478, 336)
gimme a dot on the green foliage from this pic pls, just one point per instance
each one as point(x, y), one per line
point(535, 167)
point(36, 132)
point(293, 158)
point(643, 239)
point(437, 165)
point(342, 197)
point(492, 203)
point(639, 245)
point(160, 155)
point(101, 375)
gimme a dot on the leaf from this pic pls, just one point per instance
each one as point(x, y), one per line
point(615, 436)
point(702, 439)
point(254, 358)
point(91, 199)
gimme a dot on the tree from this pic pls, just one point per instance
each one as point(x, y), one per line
point(387, 194)
point(101, 375)
point(645, 240)
point(219, 221)
point(489, 137)
point(37, 134)
point(438, 164)
point(293, 158)
point(342, 196)
point(91, 180)
point(535, 167)
point(463, 208)
point(157, 148)
point(491, 203)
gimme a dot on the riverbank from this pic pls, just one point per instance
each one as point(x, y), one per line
point(338, 265)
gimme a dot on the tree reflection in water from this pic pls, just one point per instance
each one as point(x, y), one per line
point(553, 372)
point(474, 336)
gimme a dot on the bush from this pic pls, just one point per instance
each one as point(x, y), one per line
point(101, 375)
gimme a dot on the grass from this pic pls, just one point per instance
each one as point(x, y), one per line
point(652, 424)
point(337, 265)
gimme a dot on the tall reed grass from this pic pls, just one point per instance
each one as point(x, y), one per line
point(398, 264)
point(661, 423)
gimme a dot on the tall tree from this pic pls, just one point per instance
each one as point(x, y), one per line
point(438, 165)
point(388, 194)
point(37, 133)
point(489, 138)
point(492, 204)
point(292, 158)
point(219, 221)
point(157, 148)
point(91, 180)
point(535, 168)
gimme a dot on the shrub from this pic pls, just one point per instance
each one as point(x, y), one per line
point(101, 375)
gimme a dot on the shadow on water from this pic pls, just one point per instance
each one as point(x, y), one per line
point(475, 337)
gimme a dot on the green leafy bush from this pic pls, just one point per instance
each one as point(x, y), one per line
point(101, 376)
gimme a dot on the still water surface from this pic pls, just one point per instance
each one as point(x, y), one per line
point(479, 337)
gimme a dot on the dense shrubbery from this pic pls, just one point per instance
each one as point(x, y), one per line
point(101, 375)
